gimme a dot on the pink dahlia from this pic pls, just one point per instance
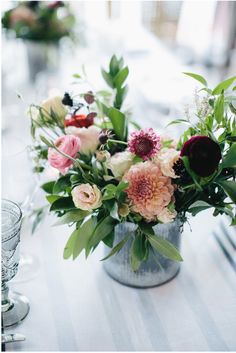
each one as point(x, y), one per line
point(149, 190)
point(144, 143)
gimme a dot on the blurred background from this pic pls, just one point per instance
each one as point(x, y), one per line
point(158, 40)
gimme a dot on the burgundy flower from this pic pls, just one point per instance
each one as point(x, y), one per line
point(144, 143)
point(204, 155)
point(80, 120)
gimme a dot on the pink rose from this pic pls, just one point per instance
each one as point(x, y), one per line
point(67, 144)
point(88, 137)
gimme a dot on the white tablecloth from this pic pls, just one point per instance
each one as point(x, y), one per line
point(75, 306)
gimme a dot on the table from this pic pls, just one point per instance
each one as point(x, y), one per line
point(75, 306)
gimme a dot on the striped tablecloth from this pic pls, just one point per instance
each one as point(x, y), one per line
point(75, 306)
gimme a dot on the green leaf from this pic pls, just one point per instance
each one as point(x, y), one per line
point(68, 250)
point(121, 77)
point(72, 216)
point(61, 184)
point(109, 240)
point(219, 109)
point(48, 187)
point(178, 121)
point(114, 65)
point(52, 198)
point(136, 125)
point(114, 212)
point(116, 248)
point(76, 76)
point(121, 186)
point(232, 108)
point(198, 206)
point(208, 90)
point(134, 262)
point(229, 159)
point(191, 172)
point(234, 88)
point(83, 235)
point(107, 77)
point(229, 187)
point(104, 227)
point(164, 247)
point(196, 77)
point(118, 121)
point(46, 141)
point(110, 192)
point(62, 204)
point(138, 247)
point(224, 85)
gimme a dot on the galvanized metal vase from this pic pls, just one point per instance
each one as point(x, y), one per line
point(149, 274)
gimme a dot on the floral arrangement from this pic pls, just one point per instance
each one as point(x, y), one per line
point(107, 174)
point(39, 20)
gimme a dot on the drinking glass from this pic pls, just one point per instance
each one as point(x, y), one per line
point(15, 306)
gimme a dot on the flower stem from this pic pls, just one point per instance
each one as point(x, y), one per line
point(117, 141)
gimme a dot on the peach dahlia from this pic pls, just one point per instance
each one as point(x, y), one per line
point(149, 190)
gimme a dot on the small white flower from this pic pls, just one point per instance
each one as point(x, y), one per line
point(120, 163)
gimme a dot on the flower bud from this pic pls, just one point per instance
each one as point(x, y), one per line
point(102, 156)
point(123, 210)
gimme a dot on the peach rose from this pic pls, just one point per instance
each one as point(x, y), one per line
point(166, 216)
point(54, 104)
point(88, 137)
point(69, 145)
point(87, 197)
point(167, 158)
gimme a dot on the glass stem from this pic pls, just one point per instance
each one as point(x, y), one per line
point(6, 303)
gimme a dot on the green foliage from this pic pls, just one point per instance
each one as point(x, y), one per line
point(229, 160)
point(198, 206)
point(223, 86)
point(48, 187)
point(103, 229)
point(62, 204)
point(164, 247)
point(196, 77)
point(229, 187)
point(119, 122)
point(117, 248)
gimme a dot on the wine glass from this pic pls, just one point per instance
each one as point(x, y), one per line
point(15, 306)
point(20, 186)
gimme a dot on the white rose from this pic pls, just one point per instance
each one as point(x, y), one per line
point(54, 104)
point(88, 137)
point(87, 197)
point(166, 216)
point(120, 163)
point(167, 158)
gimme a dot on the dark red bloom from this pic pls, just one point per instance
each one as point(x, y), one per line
point(55, 4)
point(203, 153)
point(80, 120)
